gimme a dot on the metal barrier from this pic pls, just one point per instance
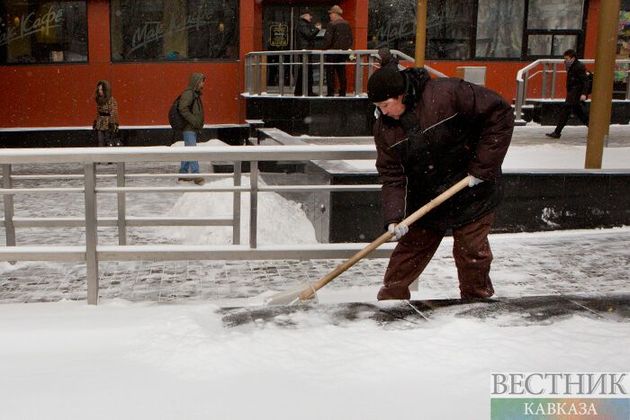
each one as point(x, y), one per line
point(258, 64)
point(548, 70)
point(91, 252)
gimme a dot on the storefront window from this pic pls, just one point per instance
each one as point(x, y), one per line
point(480, 29)
point(36, 32)
point(555, 14)
point(174, 30)
point(450, 25)
point(500, 28)
point(392, 23)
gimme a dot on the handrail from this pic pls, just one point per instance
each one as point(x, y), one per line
point(257, 64)
point(93, 251)
point(523, 76)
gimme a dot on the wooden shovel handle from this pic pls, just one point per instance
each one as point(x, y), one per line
point(308, 293)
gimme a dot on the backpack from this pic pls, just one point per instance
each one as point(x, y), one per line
point(589, 82)
point(175, 118)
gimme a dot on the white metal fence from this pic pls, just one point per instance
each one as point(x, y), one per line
point(91, 251)
point(547, 71)
point(258, 65)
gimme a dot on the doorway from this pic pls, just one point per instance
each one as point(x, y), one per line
point(279, 34)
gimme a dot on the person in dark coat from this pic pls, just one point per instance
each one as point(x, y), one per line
point(430, 134)
point(191, 108)
point(338, 37)
point(385, 58)
point(305, 40)
point(106, 122)
point(577, 91)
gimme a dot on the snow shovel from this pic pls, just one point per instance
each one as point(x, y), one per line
point(305, 293)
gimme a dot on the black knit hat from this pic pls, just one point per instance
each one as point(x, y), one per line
point(385, 83)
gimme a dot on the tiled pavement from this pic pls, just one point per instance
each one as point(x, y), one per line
point(553, 263)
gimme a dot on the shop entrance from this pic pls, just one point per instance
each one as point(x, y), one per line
point(279, 26)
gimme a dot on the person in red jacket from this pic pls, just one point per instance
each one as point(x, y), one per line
point(430, 134)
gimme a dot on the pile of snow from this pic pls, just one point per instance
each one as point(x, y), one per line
point(280, 221)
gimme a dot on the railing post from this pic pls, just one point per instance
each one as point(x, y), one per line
point(9, 227)
point(91, 233)
point(305, 80)
point(553, 80)
point(281, 74)
point(261, 80)
point(544, 80)
point(248, 74)
point(236, 206)
point(627, 83)
point(122, 204)
point(358, 75)
point(321, 73)
point(253, 203)
point(520, 98)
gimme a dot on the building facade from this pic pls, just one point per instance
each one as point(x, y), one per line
point(52, 53)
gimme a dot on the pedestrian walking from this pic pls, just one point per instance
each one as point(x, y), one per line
point(191, 109)
point(577, 91)
point(106, 122)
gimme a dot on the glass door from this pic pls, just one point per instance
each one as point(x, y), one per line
point(279, 32)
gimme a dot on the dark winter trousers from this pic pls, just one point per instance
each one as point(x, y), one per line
point(104, 138)
point(336, 66)
point(414, 251)
point(568, 108)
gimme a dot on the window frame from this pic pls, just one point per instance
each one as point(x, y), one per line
point(64, 63)
point(184, 61)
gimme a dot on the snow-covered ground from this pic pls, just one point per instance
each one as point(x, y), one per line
point(176, 360)
point(67, 360)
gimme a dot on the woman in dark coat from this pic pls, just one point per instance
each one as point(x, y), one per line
point(106, 122)
point(429, 135)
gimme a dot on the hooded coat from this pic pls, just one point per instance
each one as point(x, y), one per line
point(450, 128)
point(106, 109)
point(190, 104)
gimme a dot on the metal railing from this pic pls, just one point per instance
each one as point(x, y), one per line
point(547, 70)
point(91, 251)
point(259, 64)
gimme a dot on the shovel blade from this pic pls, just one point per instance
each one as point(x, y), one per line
point(291, 297)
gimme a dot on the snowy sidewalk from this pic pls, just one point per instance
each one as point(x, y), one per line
point(552, 263)
point(590, 262)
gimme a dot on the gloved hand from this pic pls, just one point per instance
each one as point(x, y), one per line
point(113, 127)
point(474, 181)
point(397, 230)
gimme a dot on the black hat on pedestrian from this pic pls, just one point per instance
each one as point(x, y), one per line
point(385, 83)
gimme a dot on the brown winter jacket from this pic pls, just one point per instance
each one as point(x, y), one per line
point(450, 128)
point(338, 35)
point(106, 109)
point(190, 104)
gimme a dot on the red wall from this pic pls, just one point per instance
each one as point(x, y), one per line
point(62, 95)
